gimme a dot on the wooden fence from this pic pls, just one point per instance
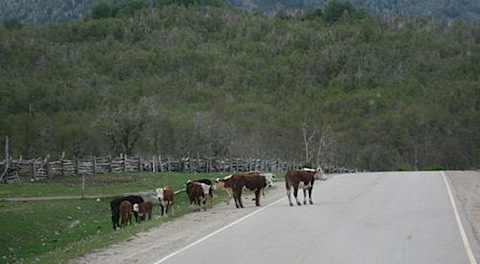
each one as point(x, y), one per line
point(39, 169)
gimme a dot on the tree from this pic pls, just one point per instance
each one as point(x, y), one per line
point(123, 124)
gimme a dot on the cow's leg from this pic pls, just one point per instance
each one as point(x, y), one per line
point(240, 198)
point(289, 192)
point(115, 218)
point(305, 194)
point(237, 196)
point(310, 194)
point(162, 208)
point(257, 197)
point(204, 203)
point(295, 193)
point(135, 214)
point(236, 199)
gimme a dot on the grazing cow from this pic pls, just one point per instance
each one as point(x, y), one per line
point(197, 193)
point(115, 205)
point(306, 177)
point(250, 180)
point(144, 210)
point(165, 196)
point(125, 211)
point(210, 187)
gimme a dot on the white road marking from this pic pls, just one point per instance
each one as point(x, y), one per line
point(466, 244)
point(216, 232)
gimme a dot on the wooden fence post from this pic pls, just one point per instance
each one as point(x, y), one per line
point(83, 185)
point(110, 169)
point(94, 165)
point(153, 164)
point(124, 163)
point(34, 171)
point(140, 169)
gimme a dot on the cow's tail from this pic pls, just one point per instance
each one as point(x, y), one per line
point(288, 186)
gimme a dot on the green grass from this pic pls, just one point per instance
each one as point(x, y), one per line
point(53, 231)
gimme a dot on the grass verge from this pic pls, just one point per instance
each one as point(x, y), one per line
point(55, 231)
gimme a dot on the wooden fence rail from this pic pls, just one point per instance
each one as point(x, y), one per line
point(39, 169)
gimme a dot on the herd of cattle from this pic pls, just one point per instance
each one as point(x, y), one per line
point(199, 191)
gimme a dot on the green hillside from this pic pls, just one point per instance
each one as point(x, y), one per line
point(346, 90)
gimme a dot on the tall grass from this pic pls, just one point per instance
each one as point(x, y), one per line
point(54, 231)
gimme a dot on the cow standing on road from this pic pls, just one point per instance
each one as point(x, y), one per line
point(306, 177)
point(253, 181)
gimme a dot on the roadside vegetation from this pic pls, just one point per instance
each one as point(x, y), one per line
point(53, 231)
point(333, 87)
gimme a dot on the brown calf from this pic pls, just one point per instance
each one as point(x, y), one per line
point(144, 210)
point(125, 213)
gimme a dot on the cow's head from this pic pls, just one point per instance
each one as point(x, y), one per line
point(220, 183)
point(205, 188)
point(269, 178)
point(319, 174)
point(136, 208)
point(159, 192)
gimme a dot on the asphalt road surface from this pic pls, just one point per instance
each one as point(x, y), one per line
point(383, 217)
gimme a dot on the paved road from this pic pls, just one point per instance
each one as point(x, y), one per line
point(393, 217)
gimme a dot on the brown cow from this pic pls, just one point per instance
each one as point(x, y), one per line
point(144, 210)
point(197, 193)
point(226, 183)
point(125, 213)
point(253, 181)
point(166, 196)
point(307, 177)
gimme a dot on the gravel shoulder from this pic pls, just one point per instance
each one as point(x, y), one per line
point(174, 235)
point(148, 247)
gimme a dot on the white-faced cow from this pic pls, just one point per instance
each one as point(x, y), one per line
point(208, 182)
point(166, 196)
point(144, 210)
point(197, 193)
point(304, 178)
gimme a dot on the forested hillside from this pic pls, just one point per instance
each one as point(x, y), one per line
point(40, 12)
point(335, 87)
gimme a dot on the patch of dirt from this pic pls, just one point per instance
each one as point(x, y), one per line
point(168, 238)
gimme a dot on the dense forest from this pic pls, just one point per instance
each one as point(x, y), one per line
point(40, 12)
point(334, 86)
